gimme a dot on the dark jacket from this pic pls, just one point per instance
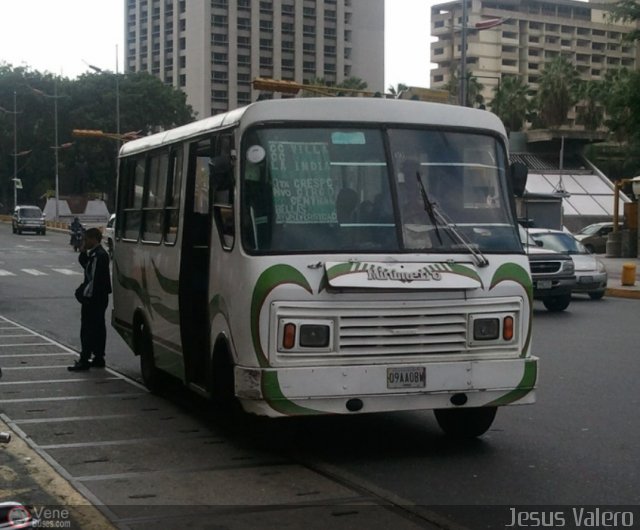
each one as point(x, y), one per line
point(97, 280)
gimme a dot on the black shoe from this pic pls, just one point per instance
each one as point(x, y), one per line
point(97, 363)
point(79, 366)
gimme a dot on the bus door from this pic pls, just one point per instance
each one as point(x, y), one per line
point(194, 265)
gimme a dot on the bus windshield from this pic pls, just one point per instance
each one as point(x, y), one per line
point(334, 190)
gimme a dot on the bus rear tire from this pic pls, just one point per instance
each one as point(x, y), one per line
point(222, 379)
point(465, 423)
point(151, 376)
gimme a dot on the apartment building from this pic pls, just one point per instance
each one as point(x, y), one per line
point(213, 49)
point(532, 33)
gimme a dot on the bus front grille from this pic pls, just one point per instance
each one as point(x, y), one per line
point(393, 330)
point(397, 334)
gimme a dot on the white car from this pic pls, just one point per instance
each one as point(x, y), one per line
point(591, 274)
point(108, 233)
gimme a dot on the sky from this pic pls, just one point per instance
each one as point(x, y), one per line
point(62, 36)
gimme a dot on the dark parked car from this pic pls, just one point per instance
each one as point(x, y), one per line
point(28, 218)
point(591, 274)
point(594, 237)
point(553, 274)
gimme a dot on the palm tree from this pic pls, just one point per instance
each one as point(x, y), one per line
point(316, 82)
point(395, 91)
point(511, 102)
point(590, 112)
point(557, 91)
point(474, 89)
point(354, 84)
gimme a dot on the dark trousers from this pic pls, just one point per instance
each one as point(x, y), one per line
point(93, 331)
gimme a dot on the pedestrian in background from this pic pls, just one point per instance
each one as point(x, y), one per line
point(93, 294)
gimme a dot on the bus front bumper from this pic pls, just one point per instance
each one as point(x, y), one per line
point(361, 389)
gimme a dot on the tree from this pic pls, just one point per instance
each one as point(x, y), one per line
point(512, 102)
point(89, 102)
point(622, 105)
point(590, 111)
point(474, 89)
point(557, 91)
point(352, 83)
point(626, 11)
point(395, 91)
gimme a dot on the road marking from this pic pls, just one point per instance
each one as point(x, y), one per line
point(72, 398)
point(75, 418)
point(29, 344)
point(34, 272)
point(37, 354)
point(46, 368)
point(68, 272)
point(6, 273)
point(56, 381)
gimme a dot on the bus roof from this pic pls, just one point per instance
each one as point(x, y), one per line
point(330, 110)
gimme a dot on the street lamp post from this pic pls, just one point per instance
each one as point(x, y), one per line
point(56, 147)
point(117, 75)
point(463, 57)
point(15, 147)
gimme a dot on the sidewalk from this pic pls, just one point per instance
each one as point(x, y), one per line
point(26, 478)
point(614, 270)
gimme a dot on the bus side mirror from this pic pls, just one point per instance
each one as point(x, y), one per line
point(519, 173)
point(221, 171)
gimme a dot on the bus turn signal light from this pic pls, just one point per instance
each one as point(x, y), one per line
point(507, 329)
point(289, 336)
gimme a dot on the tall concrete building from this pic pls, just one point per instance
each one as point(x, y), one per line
point(532, 33)
point(213, 49)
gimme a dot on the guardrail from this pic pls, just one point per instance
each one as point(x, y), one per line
point(97, 222)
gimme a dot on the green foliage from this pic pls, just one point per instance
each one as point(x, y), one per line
point(89, 102)
point(557, 91)
point(395, 91)
point(351, 86)
point(512, 102)
point(590, 112)
point(474, 89)
point(626, 11)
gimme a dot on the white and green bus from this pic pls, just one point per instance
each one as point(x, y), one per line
point(329, 256)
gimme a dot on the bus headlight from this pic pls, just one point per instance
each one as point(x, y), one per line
point(486, 329)
point(315, 336)
point(496, 328)
point(305, 335)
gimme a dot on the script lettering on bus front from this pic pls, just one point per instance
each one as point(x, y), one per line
point(303, 191)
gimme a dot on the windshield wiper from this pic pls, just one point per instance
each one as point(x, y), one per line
point(437, 216)
point(428, 207)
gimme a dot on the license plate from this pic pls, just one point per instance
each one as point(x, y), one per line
point(409, 377)
point(545, 284)
point(586, 279)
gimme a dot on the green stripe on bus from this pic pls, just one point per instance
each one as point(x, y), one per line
point(270, 279)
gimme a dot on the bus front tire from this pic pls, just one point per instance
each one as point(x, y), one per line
point(465, 423)
point(151, 376)
point(222, 379)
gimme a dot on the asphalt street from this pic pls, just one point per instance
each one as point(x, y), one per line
point(135, 453)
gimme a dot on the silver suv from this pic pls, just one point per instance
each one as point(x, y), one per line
point(28, 218)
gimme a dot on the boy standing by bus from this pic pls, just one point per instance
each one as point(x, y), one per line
point(93, 294)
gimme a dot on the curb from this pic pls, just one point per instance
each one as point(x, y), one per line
point(33, 482)
point(633, 294)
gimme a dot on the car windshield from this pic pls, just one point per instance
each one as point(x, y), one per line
point(370, 190)
point(30, 213)
point(561, 243)
point(590, 230)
